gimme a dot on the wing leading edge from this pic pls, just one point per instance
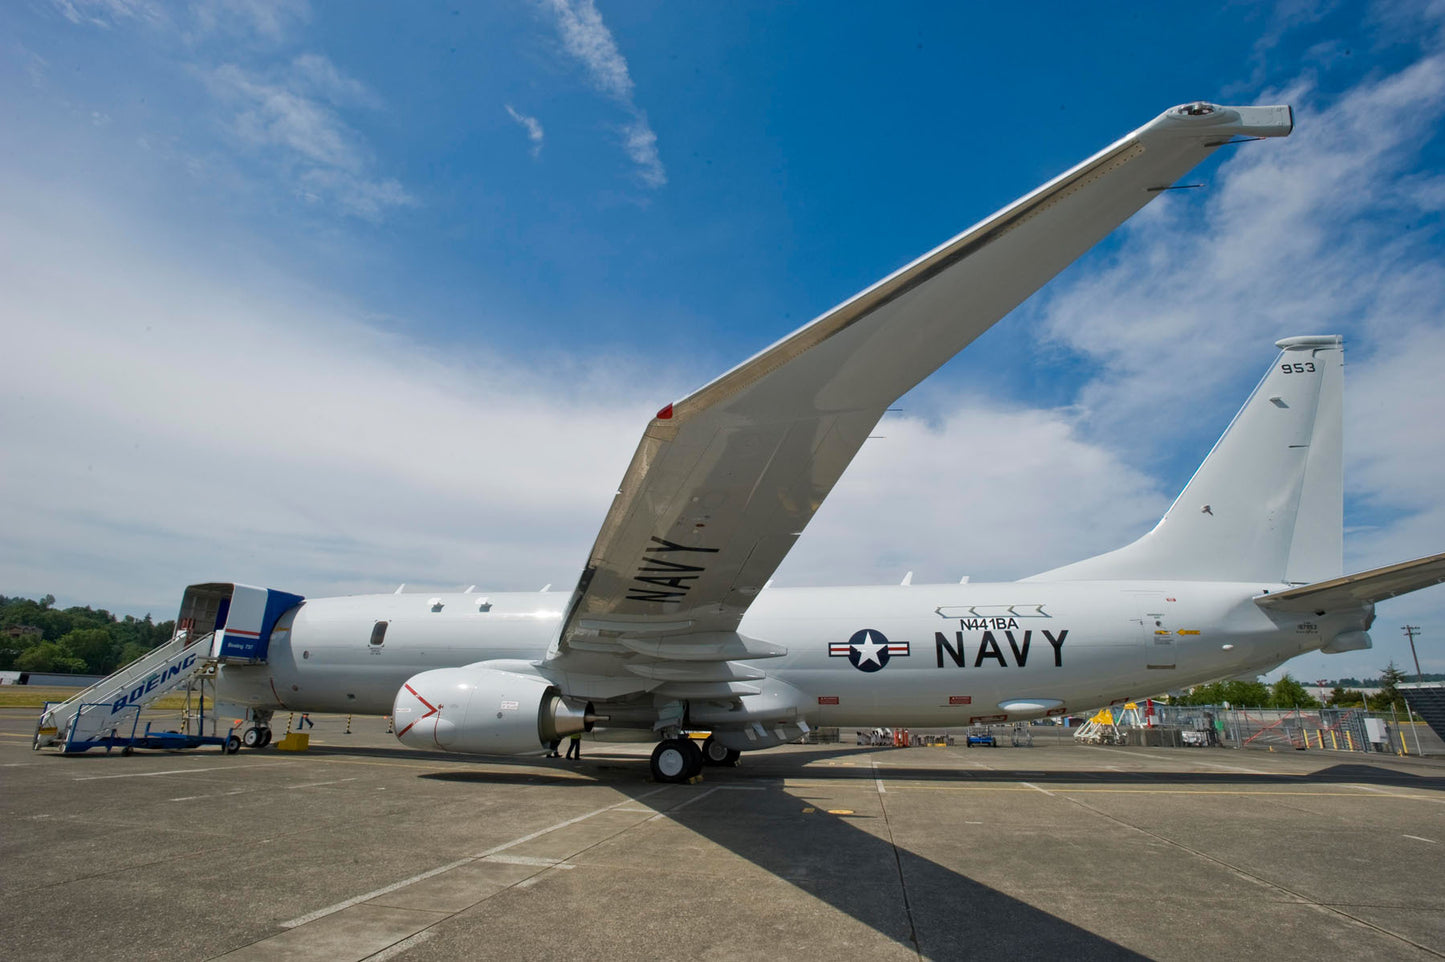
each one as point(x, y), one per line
point(724, 480)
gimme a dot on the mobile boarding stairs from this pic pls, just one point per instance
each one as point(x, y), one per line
point(108, 714)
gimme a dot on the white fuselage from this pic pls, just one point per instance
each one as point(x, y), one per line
point(956, 653)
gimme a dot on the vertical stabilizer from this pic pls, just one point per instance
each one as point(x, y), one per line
point(1267, 504)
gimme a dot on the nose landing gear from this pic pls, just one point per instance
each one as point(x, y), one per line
point(256, 737)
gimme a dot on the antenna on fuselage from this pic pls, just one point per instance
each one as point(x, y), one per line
point(399, 588)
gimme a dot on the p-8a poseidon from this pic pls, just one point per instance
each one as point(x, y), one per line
point(672, 627)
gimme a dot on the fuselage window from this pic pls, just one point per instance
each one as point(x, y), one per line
point(378, 632)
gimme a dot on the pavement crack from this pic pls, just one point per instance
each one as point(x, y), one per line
point(898, 863)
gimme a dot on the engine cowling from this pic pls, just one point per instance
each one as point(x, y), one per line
point(497, 710)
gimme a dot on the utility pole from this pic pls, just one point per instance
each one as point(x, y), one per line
point(1410, 631)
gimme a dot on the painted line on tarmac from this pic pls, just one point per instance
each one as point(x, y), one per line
point(696, 798)
point(1419, 839)
point(267, 788)
point(387, 890)
point(1389, 794)
point(1192, 761)
point(532, 860)
point(1037, 789)
point(878, 780)
point(178, 771)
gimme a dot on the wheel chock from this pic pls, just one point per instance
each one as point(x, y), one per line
point(294, 742)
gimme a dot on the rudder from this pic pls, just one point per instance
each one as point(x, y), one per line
point(1267, 504)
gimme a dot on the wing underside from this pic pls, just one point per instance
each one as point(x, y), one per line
point(725, 480)
point(1357, 590)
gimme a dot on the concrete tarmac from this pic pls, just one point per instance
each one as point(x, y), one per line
point(363, 849)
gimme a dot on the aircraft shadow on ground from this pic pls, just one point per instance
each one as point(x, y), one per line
point(922, 905)
point(925, 906)
point(918, 903)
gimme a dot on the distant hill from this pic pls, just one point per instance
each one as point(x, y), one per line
point(37, 636)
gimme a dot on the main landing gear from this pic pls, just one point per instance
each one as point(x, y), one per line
point(680, 759)
point(716, 754)
point(676, 760)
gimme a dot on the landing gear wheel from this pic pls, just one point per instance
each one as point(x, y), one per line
point(252, 738)
point(232, 746)
point(694, 758)
point(717, 754)
point(265, 738)
point(676, 760)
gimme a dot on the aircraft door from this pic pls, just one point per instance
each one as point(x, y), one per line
point(1158, 633)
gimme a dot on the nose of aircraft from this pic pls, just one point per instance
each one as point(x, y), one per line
point(417, 714)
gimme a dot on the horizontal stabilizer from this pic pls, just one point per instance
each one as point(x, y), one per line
point(1367, 587)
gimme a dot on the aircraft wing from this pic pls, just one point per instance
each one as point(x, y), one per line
point(724, 480)
point(1357, 590)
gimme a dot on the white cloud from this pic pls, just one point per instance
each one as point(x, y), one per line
point(322, 77)
point(992, 492)
point(532, 125)
point(283, 117)
point(641, 145)
point(107, 13)
point(586, 38)
point(271, 21)
point(1318, 233)
point(175, 422)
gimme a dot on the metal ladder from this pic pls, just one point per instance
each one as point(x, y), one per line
point(116, 701)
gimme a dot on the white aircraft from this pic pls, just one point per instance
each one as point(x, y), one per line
point(670, 630)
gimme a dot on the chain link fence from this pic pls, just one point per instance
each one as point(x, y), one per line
point(1321, 729)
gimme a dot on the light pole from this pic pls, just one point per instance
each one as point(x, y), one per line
point(1410, 631)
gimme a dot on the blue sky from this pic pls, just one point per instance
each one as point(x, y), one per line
point(336, 296)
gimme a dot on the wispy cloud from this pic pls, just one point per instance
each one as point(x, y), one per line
point(288, 115)
point(586, 38)
point(291, 118)
point(108, 13)
point(267, 20)
point(532, 125)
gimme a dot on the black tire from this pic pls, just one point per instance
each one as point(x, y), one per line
point(252, 738)
point(232, 746)
point(675, 760)
point(716, 754)
point(694, 758)
point(265, 737)
point(128, 750)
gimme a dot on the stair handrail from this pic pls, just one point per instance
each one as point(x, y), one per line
point(79, 697)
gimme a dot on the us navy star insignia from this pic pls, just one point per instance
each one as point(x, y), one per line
point(868, 650)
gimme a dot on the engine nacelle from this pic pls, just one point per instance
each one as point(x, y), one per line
point(503, 709)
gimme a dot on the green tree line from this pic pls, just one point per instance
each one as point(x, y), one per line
point(1288, 693)
point(1358, 683)
point(37, 636)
